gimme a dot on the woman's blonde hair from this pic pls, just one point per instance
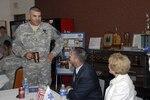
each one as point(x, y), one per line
point(119, 63)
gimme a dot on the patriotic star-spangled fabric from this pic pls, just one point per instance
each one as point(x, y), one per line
point(45, 95)
point(40, 94)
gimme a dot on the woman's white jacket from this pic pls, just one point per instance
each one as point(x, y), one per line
point(121, 88)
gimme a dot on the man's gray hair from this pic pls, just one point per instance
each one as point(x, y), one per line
point(80, 53)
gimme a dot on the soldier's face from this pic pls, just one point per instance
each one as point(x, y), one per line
point(35, 18)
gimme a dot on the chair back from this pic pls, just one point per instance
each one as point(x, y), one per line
point(18, 78)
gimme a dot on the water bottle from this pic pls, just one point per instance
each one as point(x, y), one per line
point(63, 92)
point(26, 86)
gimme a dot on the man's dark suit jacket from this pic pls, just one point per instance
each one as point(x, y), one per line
point(86, 85)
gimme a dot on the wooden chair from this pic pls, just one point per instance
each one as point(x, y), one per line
point(18, 78)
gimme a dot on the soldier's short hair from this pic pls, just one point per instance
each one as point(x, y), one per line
point(34, 8)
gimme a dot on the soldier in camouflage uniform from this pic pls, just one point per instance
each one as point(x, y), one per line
point(9, 65)
point(36, 36)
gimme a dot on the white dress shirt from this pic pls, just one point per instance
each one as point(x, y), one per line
point(77, 69)
point(121, 88)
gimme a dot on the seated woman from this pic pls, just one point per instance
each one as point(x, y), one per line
point(121, 87)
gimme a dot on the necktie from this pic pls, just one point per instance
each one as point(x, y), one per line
point(74, 75)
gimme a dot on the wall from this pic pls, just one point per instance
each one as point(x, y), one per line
point(95, 17)
point(8, 8)
point(21, 6)
point(5, 11)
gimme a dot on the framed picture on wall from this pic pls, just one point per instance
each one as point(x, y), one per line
point(3, 23)
point(108, 40)
point(95, 43)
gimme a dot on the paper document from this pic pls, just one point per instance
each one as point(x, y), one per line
point(95, 43)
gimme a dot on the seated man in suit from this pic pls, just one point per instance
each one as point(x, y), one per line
point(85, 84)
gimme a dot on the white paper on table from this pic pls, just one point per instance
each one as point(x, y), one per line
point(4, 79)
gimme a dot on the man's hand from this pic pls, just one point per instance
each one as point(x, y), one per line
point(50, 57)
point(68, 88)
point(29, 55)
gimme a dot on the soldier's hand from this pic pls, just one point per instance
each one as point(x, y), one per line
point(29, 55)
point(50, 57)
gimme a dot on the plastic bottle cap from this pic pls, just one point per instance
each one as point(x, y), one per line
point(62, 85)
